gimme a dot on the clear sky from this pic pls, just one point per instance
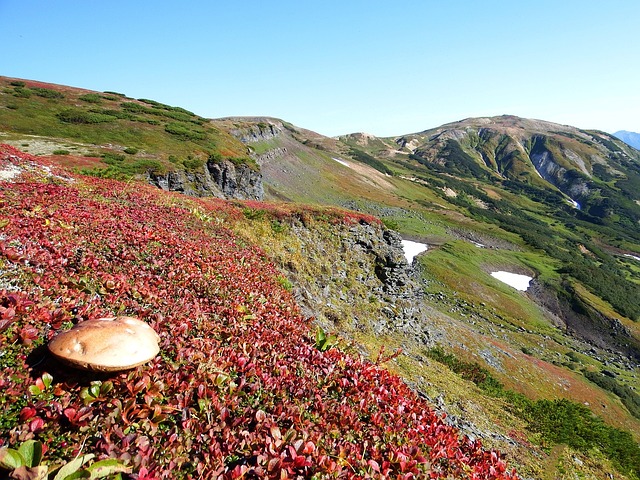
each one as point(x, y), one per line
point(341, 66)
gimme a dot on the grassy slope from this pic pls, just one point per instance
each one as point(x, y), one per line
point(310, 174)
point(239, 389)
point(45, 118)
point(482, 317)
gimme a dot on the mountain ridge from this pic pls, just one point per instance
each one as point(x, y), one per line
point(631, 138)
point(478, 215)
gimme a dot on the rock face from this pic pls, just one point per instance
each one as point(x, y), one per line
point(264, 130)
point(584, 322)
point(222, 179)
point(358, 280)
point(106, 344)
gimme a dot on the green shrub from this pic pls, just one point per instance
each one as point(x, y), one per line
point(558, 421)
point(76, 116)
point(285, 283)
point(121, 170)
point(130, 150)
point(183, 131)
point(162, 106)
point(629, 398)
point(17, 83)
point(113, 158)
point(61, 152)
point(252, 214)
point(91, 98)
point(191, 163)
point(22, 92)
point(369, 160)
point(47, 92)
point(134, 107)
point(277, 226)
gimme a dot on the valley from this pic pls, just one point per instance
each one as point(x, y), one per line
point(546, 202)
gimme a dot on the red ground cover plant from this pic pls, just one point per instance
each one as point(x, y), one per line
point(239, 389)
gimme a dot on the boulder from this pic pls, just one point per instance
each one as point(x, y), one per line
point(106, 344)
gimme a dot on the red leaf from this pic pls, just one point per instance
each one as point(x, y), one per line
point(36, 425)
point(26, 413)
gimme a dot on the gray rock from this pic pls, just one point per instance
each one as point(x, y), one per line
point(222, 179)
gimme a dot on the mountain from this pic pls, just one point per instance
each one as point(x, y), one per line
point(630, 138)
point(582, 165)
point(113, 136)
point(477, 218)
point(547, 375)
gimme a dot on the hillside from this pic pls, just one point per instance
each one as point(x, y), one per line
point(558, 340)
point(548, 376)
point(110, 135)
point(241, 388)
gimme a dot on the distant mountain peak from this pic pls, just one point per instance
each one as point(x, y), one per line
point(630, 138)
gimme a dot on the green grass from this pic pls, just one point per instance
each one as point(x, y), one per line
point(461, 267)
point(95, 119)
point(557, 421)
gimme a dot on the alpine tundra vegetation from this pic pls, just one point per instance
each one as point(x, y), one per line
point(296, 340)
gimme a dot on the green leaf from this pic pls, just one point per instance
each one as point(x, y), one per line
point(106, 388)
point(34, 390)
point(47, 378)
point(94, 389)
point(86, 396)
point(31, 452)
point(73, 466)
point(11, 459)
point(107, 467)
point(78, 474)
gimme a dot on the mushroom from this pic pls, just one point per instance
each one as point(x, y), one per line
point(106, 344)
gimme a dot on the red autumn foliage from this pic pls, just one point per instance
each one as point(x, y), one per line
point(239, 390)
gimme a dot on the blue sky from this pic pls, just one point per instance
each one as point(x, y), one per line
point(383, 67)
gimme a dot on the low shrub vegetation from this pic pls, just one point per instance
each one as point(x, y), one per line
point(558, 421)
point(71, 115)
point(242, 388)
point(91, 98)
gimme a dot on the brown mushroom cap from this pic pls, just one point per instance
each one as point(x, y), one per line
point(106, 344)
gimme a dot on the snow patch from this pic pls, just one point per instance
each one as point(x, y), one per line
point(412, 249)
point(519, 282)
point(632, 256)
point(340, 161)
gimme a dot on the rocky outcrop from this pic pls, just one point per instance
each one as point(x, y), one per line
point(257, 132)
point(222, 179)
point(358, 279)
point(237, 181)
point(270, 155)
point(549, 169)
point(573, 315)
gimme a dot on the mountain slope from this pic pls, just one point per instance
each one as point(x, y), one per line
point(240, 388)
point(478, 220)
point(593, 170)
point(110, 135)
point(474, 192)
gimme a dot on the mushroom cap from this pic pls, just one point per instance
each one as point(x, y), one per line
point(106, 344)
